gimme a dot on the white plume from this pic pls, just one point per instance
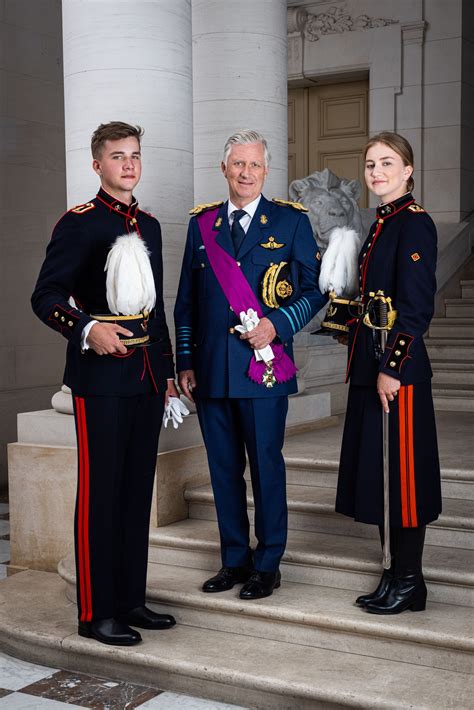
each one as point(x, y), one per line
point(339, 264)
point(130, 283)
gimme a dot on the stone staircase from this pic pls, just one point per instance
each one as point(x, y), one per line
point(451, 349)
point(307, 646)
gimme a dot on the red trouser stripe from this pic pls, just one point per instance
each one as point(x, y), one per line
point(407, 458)
point(83, 513)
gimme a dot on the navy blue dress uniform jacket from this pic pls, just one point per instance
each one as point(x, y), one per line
point(206, 340)
point(74, 266)
point(398, 257)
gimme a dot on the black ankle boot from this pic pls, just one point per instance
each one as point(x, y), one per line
point(378, 593)
point(407, 589)
point(387, 575)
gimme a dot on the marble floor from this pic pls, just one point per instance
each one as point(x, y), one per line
point(27, 686)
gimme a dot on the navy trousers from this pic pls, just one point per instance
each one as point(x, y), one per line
point(117, 443)
point(229, 427)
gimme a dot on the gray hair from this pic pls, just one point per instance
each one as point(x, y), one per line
point(243, 138)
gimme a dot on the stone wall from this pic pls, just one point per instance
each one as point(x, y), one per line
point(419, 58)
point(32, 195)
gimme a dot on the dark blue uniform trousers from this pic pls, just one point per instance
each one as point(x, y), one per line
point(229, 427)
point(117, 442)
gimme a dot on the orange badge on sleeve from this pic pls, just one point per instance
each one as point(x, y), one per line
point(416, 256)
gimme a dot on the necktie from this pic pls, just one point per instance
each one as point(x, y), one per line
point(238, 233)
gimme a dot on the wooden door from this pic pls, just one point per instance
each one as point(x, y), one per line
point(328, 128)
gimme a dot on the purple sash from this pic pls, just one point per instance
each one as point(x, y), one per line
point(238, 292)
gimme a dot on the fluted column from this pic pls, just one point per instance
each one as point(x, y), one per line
point(239, 81)
point(131, 61)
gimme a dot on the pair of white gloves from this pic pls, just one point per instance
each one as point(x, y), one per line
point(175, 411)
point(249, 321)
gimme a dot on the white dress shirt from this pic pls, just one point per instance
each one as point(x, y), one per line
point(250, 209)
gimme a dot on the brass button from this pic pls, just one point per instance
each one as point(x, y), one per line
point(393, 363)
point(62, 319)
point(238, 263)
point(398, 352)
point(203, 266)
point(232, 331)
point(369, 244)
point(402, 342)
point(56, 314)
point(70, 323)
point(364, 254)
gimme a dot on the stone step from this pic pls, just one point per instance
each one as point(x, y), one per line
point(322, 559)
point(457, 398)
point(325, 618)
point(302, 471)
point(459, 307)
point(452, 373)
point(452, 328)
point(467, 288)
point(450, 349)
point(262, 673)
point(311, 508)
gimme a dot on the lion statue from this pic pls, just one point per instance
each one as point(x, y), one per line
point(337, 225)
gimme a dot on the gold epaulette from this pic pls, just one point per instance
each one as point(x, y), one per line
point(287, 203)
point(80, 209)
point(204, 207)
point(415, 208)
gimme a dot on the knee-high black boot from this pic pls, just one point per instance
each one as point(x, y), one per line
point(387, 574)
point(407, 590)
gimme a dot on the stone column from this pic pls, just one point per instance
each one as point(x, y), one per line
point(239, 81)
point(132, 62)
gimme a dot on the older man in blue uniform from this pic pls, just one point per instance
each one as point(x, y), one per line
point(118, 386)
point(262, 253)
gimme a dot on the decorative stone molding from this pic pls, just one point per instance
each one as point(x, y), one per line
point(296, 17)
point(336, 21)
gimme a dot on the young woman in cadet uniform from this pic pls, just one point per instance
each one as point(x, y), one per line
point(399, 258)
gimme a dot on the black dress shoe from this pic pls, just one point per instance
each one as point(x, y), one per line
point(380, 592)
point(260, 584)
point(404, 592)
point(145, 618)
point(109, 631)
point(226, 578)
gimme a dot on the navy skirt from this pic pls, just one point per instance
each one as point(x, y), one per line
point(415, 485)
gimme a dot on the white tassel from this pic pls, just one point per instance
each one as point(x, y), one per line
point(339, 264)
point(130, 283)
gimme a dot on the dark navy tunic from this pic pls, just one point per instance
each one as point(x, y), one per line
point(74, 266)
point(398, 257)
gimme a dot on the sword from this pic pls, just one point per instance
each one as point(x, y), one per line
point(383, 325)
point(380, 307)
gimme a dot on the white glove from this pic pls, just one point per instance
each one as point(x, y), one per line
point(175, 410)
point(249, 321)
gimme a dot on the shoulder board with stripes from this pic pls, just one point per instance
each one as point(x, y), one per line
point(204, 207)
point(287, 203)
point(80, 209)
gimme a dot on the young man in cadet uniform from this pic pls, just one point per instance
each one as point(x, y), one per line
point(257, 258)
point(120, 369)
